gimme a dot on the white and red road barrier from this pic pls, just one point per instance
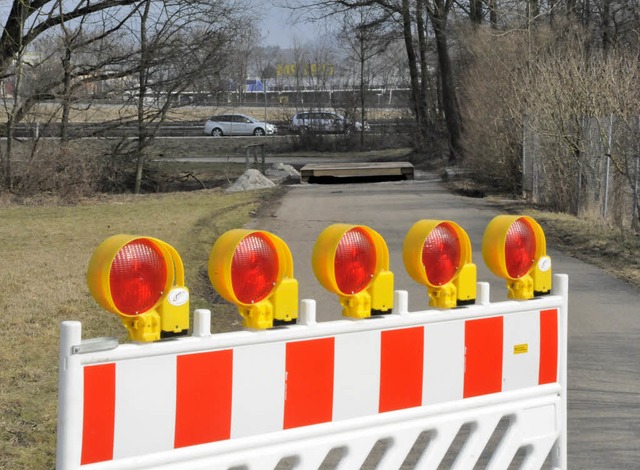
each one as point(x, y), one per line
point(250, 399)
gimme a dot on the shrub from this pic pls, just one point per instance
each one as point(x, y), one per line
point(55, 170)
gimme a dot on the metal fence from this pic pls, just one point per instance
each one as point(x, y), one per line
point(589, 167)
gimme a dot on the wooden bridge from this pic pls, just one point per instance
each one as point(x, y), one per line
point(314, 172)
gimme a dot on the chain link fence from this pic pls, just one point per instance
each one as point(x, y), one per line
point(589, 167)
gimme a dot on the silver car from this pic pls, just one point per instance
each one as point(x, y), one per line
point(324, 121)
point(237, 124)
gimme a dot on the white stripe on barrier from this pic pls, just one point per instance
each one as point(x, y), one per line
point(258, 389)
point(140, 385)
point(357, 375)
point(444, 353)
point(521, 351)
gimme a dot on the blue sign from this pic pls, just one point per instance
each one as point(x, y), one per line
point(255, 85)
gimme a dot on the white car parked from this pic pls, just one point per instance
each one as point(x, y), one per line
point(237, 124)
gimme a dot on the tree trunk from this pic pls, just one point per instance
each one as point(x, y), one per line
point(493, 14)
point(475, 11)
point(421, 13)
point(66, 98)
point(606, 28)
point(8, 177)
point(449, 95)
point(418, 105)
point(533, 10)
point(142, 91)
point(15, 27)
point(362, 56)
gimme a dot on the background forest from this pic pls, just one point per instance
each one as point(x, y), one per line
point(534, 97)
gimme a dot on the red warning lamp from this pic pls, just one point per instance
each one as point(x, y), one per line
point(355, 261)
point(441, 254)
point(352, 261)
point(514, 248)
point(437, 254)
point(141, 279)
point(519, 248)
point(253, 269)
point(137, 277)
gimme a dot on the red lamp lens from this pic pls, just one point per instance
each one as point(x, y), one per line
point(137, 277)
point(519, 248)
point(254, 268)
point(355, 261)
point(441, 254)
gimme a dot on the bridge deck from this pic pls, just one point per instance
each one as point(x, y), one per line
point(356, 170)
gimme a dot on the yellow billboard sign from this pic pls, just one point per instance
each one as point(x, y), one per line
point(305, 70)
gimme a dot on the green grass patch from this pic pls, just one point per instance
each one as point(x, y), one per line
point(45, 251)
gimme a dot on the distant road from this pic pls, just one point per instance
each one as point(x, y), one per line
point(293, 160)
point(76, 130)
point(182, 129)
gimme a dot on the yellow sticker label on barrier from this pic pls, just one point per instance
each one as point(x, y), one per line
point(521, 348)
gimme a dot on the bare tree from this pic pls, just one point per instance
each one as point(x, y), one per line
point(178, 43)
point(366, 36)
point(26, 22)
point(410, 16)
point(312, 74)
point(42, 16)
point(162, 47)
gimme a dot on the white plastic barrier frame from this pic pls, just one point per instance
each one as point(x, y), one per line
point(313, 391)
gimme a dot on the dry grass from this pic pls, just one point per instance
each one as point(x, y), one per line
point(44, 251)
point(589, 238)
point(593, 241)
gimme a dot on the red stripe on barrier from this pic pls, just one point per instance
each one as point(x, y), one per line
point(203, 398)
point(483, 356)
point(99, 412)
point(548, 347)
point(309, 382)
point(401, 368)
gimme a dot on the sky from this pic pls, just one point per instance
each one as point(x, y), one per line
point(277, 26)
point(278, 29)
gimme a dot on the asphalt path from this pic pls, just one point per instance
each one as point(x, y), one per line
point(604, 313)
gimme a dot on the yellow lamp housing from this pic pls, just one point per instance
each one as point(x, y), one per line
point(514, 248)
point(253, 269)
point(437, 254)
point(141, 279)
point(352, 261)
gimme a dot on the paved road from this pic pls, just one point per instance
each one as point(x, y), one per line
point(295, 160)
point(604, 317)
